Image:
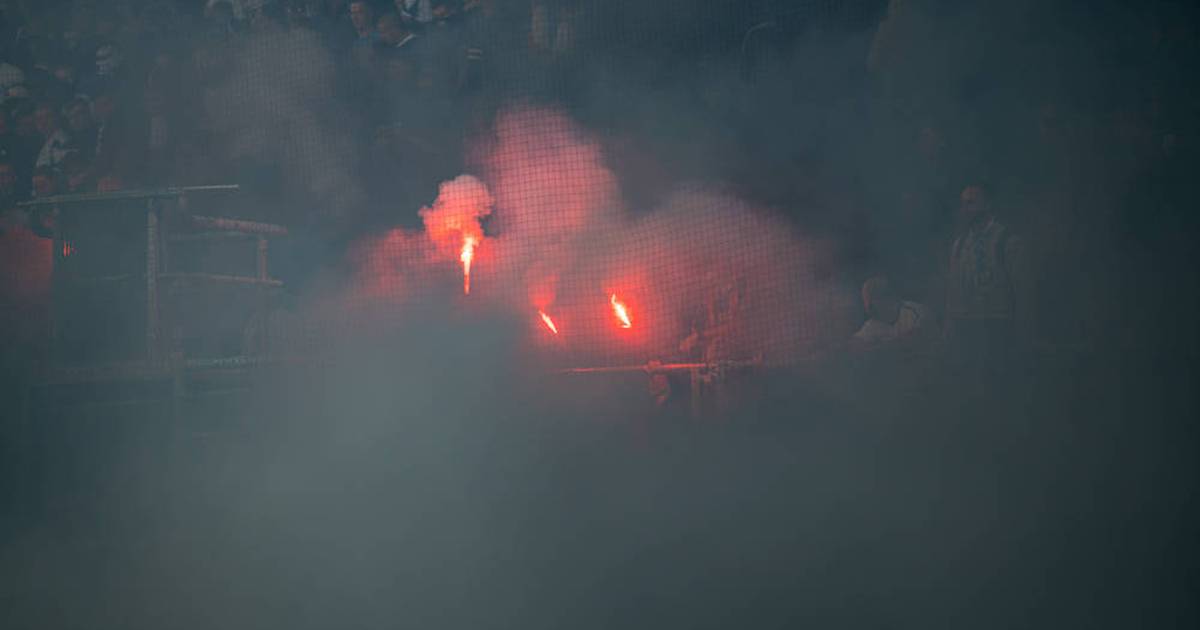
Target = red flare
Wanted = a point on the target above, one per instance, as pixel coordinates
(548, 322)
(620, 311)
(468, 254)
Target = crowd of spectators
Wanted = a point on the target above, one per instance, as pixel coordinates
(116, 94)
(100, 96)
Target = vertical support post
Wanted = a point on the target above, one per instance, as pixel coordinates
(165, 219)
(171, 327)
(262, 258)
(264, 314)
(151, 281)
(178, 389)
(56, 281)
(25, 458)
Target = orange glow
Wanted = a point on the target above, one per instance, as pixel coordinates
(67, 248)
(620, 311)
(548, 322)
(467, 255)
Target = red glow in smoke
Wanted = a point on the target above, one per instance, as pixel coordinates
(452, 223)
(559, 237)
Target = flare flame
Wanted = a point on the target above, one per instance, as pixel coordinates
(467, 255)
(620, 311)
(548, 322)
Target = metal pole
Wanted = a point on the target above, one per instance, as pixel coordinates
(151, 281)
(160, 193)
(56, 280)
(264, 317)
(654, 368)
(262, 258)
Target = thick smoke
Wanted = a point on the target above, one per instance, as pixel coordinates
(555, 196)
(455, 216)
(277, 108)
(434, 478)
(561, 242)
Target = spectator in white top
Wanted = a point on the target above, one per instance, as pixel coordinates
(890, 319)
(420, 11)
(10, 76)
(57, 141)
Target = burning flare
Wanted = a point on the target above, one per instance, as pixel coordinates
(468, 254)
(548, 322)
(619, 310)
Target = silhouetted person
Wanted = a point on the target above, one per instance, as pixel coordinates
(362, 18)
(986, 284)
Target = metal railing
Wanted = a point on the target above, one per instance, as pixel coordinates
(167, 221)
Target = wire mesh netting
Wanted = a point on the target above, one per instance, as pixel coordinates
(516, 151)
(726, 170)
(597, 313)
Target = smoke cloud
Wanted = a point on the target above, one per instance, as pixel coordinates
(277, 107)
(561, 241)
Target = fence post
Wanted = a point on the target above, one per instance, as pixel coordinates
(151, 281)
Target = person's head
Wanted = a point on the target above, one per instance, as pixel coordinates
(879, 301)
(297, 13)
(266, 15)
(108, 59)
(22, 115)
(64, 73)
(974, 205)
(16, 92)
(78, 114)
(445, 9)
(392, 29)
(487, 7)
(362, 16)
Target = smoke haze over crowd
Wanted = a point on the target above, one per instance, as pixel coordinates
(489, 225)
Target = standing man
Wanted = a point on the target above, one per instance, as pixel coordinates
(987, 305)
(711, 337)
(362, 18)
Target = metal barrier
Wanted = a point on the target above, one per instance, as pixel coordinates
(168, 224)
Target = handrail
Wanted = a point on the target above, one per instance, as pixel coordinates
(238, 225)
(118, 195)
